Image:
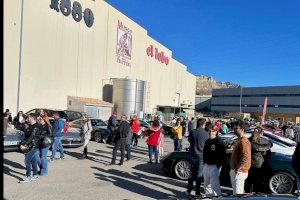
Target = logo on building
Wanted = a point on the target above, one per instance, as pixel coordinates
(124, 44)
(151, 51)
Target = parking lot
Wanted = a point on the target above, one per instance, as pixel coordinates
(74, 178)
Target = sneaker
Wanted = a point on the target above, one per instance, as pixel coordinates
(150, 162)
(110, 164)
(27, 179)
(62, 158)
(120, 164)
(35, 177)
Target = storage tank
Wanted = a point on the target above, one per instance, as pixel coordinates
(128, 96)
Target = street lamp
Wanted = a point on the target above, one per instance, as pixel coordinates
(241, 94)
(20, 57)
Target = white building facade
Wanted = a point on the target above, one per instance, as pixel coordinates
(53, 49)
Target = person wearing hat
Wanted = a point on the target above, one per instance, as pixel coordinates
(259, 147)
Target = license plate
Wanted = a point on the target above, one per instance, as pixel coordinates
(7, 143)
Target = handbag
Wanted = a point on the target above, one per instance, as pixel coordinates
(24, 148)
(46, 141)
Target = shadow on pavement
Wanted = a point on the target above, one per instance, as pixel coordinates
(127, 181)
(8, 171)
(13, 164)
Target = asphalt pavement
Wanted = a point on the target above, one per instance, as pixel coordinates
(74, 178)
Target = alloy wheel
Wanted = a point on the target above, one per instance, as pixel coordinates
(97, 136)
(281, 183)
(182, 169)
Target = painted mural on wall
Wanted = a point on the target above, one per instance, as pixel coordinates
(124, 44)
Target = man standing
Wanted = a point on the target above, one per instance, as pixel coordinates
(122, 134)
(57, 136)
(31, 149)
(214, 157)
(112, 122)
(197, 138)
(296, 166)
(240, 159)
(192, 124)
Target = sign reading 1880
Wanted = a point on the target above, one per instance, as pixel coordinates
(76, 10)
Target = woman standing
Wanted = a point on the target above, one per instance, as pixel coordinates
(177, 131)
(135, 127)
(152, 141)
(87, 130)
(19, 121)
(46, 132)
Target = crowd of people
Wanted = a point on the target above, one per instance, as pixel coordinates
(207, 150)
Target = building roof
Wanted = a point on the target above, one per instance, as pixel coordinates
(92, 101)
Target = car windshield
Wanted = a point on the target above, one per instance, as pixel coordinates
(98, 122)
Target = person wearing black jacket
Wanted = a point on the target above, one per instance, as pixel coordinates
(197, 138)
(120, 139)
(31, 148)
(214, 157)
(259, 147)
(46, 132)
(112, 122)
(296, 166)
(19, 121)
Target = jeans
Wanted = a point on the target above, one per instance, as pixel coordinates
(44, 162)
(128, 150)
(31, 159)
(211, 180)
(253, 181)
(57, 143)
(238, 181)
(153, 149)
(119, 144)
(177, 144)
(196, 173)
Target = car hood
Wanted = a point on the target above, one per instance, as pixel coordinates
(72, 132)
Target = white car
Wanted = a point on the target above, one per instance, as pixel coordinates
(280, 144)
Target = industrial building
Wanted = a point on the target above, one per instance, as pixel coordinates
(88, 49)
(283, 101)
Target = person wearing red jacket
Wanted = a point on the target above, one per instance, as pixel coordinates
(135, 127)
(152, 141)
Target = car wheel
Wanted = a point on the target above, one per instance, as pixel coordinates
(182, 169)
(281, 183)
(97, 136)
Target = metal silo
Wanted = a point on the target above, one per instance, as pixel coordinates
(128, 96)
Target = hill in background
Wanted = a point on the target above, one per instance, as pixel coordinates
(205, 84)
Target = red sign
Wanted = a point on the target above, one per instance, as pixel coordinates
(151, 51)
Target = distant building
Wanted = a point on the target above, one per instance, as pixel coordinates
(203, 102)
(283, 101)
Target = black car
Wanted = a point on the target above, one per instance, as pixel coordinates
(167, 129)
(12, 139)
(100, 131)
(279, 176)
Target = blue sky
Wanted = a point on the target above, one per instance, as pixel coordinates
(250, 42)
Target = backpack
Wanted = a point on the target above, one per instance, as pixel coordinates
(66, 128)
